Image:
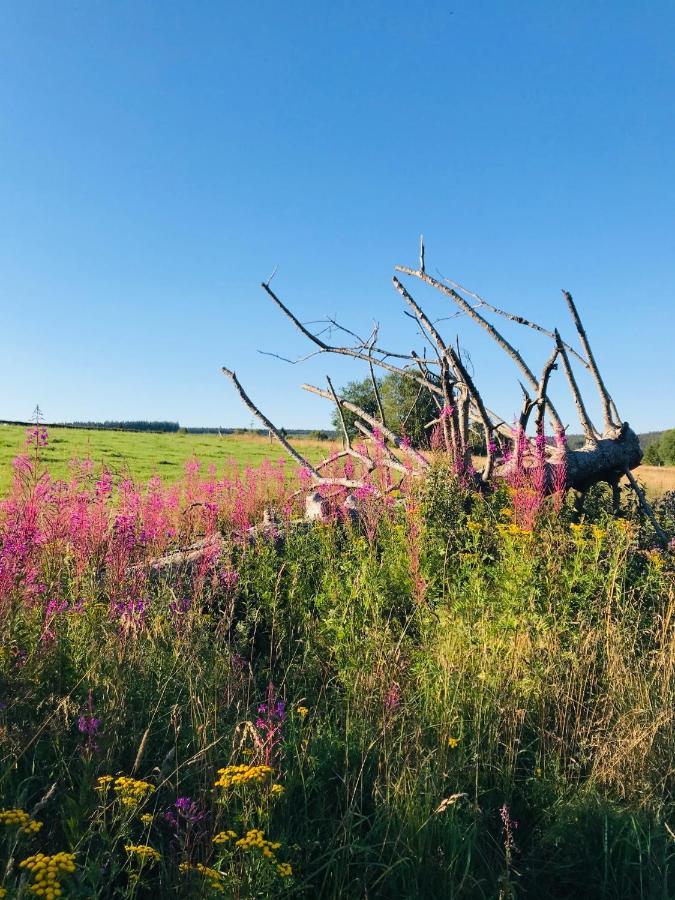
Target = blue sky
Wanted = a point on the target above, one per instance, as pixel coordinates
(158, 160)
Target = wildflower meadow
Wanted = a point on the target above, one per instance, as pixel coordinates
(443, 694)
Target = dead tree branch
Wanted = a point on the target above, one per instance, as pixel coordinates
(513, 317)
(607, 402)
(269, 425)
(362, 414)
(586, 424)
(348, 440)
(487, 326)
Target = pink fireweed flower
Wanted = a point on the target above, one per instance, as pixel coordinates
(192, 466)
(364, 491)
(229, 579)
(305, 478)
(437, 440)
(184, 813)
(393, 696)
(509, 825)
(130, 614)
(22, 465)
(378, 437)
(270, 721)
(53, 609)
(36, 436)
(88, 724)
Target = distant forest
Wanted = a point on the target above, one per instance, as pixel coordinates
(176, 427)
(576, 441)
(173, 427)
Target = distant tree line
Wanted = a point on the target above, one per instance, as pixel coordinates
(175, 428)
(661, 452)
(138, 425)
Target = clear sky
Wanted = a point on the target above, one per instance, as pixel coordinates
(159, 159)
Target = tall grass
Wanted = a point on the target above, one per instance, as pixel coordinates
(428, 701)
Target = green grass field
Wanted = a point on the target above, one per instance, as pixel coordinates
(143, 454)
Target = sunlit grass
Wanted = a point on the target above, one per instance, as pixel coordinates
(142, 454)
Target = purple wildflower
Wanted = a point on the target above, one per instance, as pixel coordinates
(89, 724)
(393, 696)
(271, 716)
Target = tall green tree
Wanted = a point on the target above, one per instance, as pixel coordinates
(667, 447)
(408, 406)
(662, 451)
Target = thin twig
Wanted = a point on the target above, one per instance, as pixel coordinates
(584, 418)
(266, 422)
(348, 440)
(491, 330)
(512, 317)
(362, 414)
(607, 402)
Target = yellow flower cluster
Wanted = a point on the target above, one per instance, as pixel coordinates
(581, 532)
(302, 711)
(46, 870)
(277, 789)
(224, 836)
(234, 775)
(21, 819)
(146, 819)
(215, 878)
(514, 530)
(255, 840)
(655, 558)
(285, 870)
(130, 792)
(13, 817)
(453, 742)
(143, 851)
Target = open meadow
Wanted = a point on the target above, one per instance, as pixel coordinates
(140, 455)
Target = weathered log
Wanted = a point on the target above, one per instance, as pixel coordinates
(606, 460)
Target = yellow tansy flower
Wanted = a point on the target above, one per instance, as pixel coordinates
(143, 852)
(231, 776)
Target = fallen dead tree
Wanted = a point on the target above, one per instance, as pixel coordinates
(608, 455)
